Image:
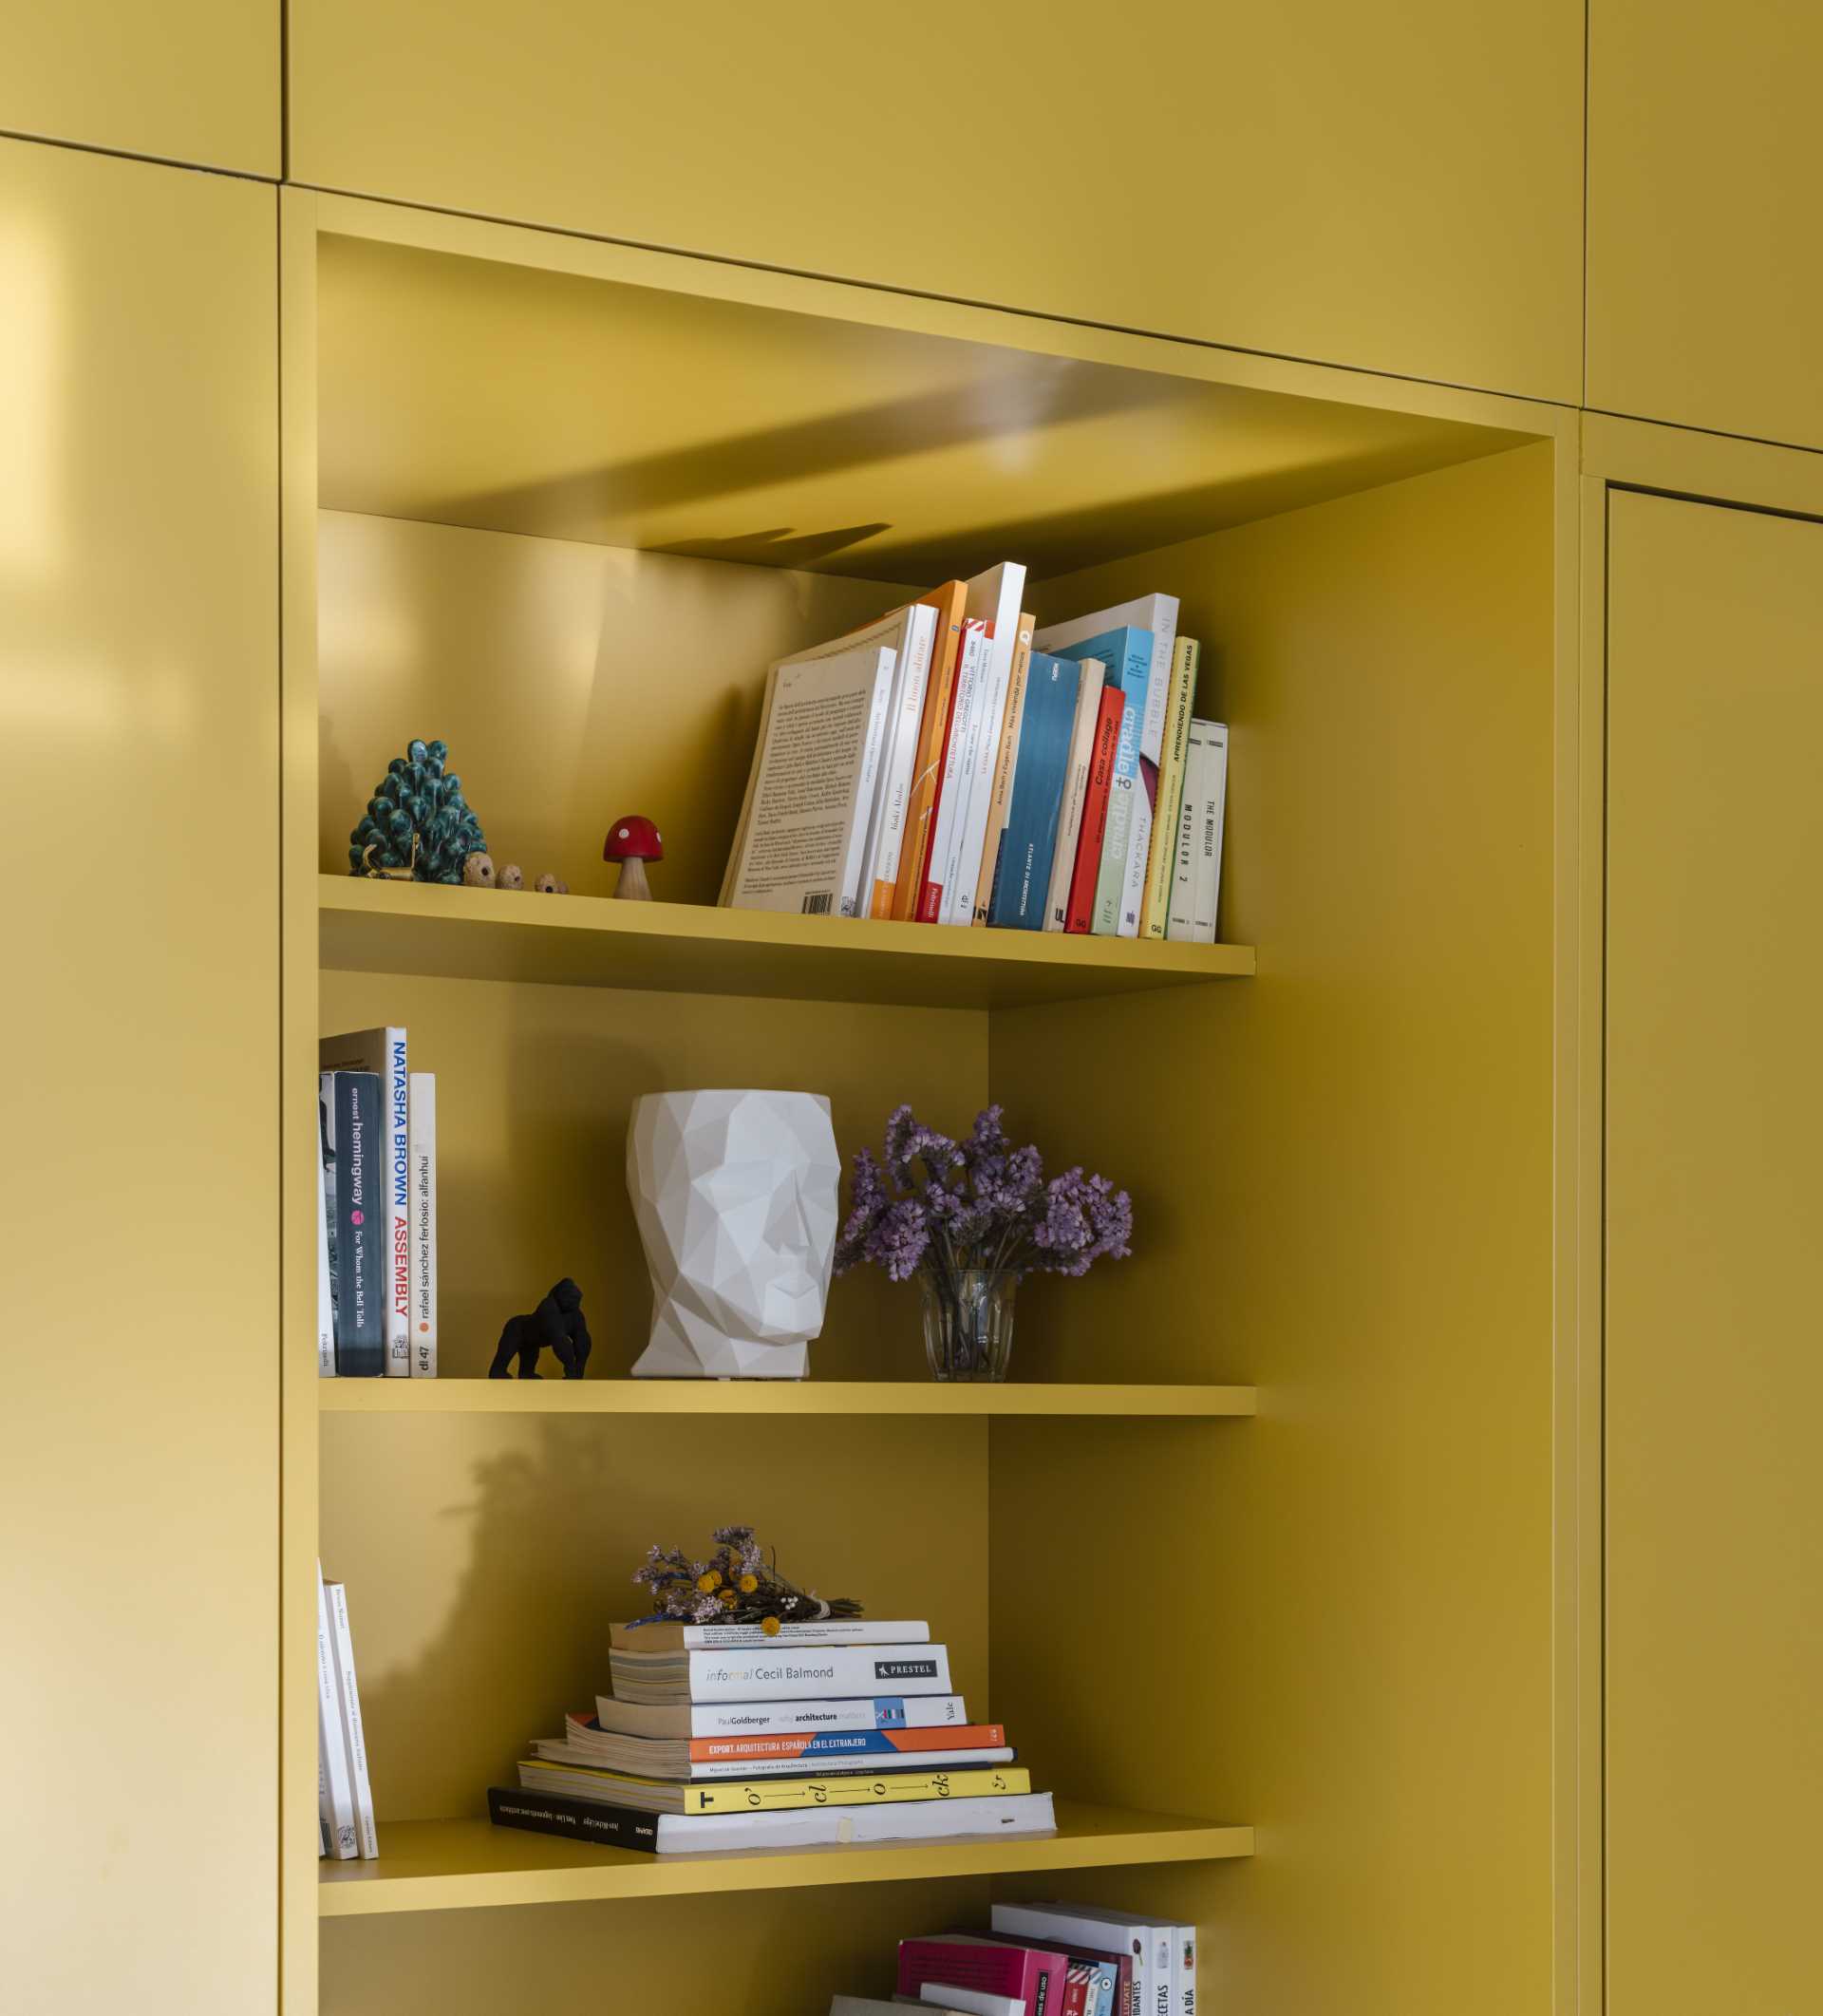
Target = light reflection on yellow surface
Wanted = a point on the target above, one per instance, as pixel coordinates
(33, 510)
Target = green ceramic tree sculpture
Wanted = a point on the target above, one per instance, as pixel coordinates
(416, 820)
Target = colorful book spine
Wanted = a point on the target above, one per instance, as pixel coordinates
(946, 651)
(354, 1146)
(1075, 791)
(1127, 654)
(1000, 782)
(1090, 841)
(1168, 806)
(787, 1795)
(423, 1225)
(1084, 1932)
(1029, 1974)
(994, 597)
(349, 1700)
(965, 702)
(1040, 777)
(858, 1744)
(383, 1052)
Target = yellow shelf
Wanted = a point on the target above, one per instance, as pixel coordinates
(781, 1397)
(465, 1865)
(373, 927)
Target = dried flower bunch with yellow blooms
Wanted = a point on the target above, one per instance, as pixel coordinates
(738, 1584)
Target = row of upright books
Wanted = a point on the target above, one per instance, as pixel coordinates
(725, 1736)
(376, 1210)
(1046, 1960)
(344, 1790)
(950, 764)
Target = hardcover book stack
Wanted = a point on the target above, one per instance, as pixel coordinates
(952, 764)
(725, 1735)
(376, 1210)
(1047, 1960)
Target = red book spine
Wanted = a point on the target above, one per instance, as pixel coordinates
(1076, 1992)
(1095, 811)
(999, 1969)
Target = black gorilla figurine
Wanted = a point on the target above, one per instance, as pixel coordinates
(556, 1321)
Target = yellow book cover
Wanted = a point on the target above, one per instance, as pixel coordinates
(1161, 861)
(773, 1795)
(1002, 800)
(947, 602)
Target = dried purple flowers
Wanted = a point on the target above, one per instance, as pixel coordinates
(980, 1203)
(736, 1585)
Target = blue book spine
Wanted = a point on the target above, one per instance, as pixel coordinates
(358, 1147)
(1041, 769)
(1127, 655)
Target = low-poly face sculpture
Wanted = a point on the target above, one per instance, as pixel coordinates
(736, 1196)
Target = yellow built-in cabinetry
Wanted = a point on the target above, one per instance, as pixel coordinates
(1331, 1611)
(194, 80)
(1705, 293)
(139, 752)
(1713, 1380)
(1398, 189)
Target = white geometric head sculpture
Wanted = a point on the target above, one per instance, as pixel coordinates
(736, 1196)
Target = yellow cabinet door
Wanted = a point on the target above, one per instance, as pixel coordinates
(1714, 1220)
(181, 80)
(138, 1209)
(1705, 289)
(1396, 188)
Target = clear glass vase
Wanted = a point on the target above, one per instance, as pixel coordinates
(969, 1321)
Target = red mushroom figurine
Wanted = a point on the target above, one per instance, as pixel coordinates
(632, 841)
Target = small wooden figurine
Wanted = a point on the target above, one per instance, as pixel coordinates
(632, 841)
(477, 871)
(511, 877)
(548, 885)
(558, 1323)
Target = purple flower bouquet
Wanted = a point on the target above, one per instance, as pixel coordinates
(972, 1218)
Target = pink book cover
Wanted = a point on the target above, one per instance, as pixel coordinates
(1036, 1976)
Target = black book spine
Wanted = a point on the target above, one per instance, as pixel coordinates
(573, 1819)
(361, 1227)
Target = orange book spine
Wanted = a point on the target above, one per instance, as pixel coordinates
(1095, 811)
(932, 734)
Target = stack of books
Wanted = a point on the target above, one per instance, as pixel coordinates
(376, 1210)
(951, 764)
(1047, 1960)
(724, 1736)
(344, 1791)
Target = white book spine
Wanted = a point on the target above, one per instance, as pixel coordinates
(892, 1821)
(1076, 792)
(959, 899)
(324, 1291)
(1211, 810)
(423, 1225)
(911, 683)
(1180, 919)
(865, 813)
(1183, 1964)
(783, 1718)
(348, 1703)
(964, 711)
(717, 1637)
(832, 1670)
(335, 1795)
